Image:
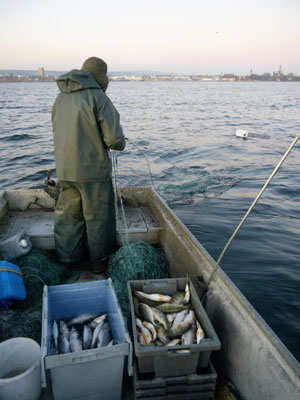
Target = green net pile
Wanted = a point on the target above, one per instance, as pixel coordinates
(24, 318)
(135, 261)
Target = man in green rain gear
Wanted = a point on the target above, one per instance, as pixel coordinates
(86, 126)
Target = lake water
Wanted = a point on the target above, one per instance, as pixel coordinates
(209, 177)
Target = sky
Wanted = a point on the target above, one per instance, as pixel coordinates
(184, 37)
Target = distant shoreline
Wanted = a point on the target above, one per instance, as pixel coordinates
(169, 80)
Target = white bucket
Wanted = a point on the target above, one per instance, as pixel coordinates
(20, 369)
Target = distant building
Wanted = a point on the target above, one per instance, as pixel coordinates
(41, 73)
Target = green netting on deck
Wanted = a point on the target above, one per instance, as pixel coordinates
(39, 268)
(135, 261)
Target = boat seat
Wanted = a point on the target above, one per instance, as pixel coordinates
(39, 225)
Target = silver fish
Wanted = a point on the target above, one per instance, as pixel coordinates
(138, 323)
(160, 317)
(142, 338)
(187, 293)
(177, 298)
(170, 318)
(151, 328)
(157, 297)
(55, 336)
(180, 317)
(145, 333)
(190, 315)
(179, 329)
(96, 333)
(199, 333)
(189, 336)
(75, 341)
(111, 343)
(63, 329)
(171, 308)
(146, 312)
(173, 342)
(87, 337)
(162, 334)
(104, 337)
(82, 319)
(97, 321)
(64, 345)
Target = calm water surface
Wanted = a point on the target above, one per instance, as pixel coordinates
(207, 175)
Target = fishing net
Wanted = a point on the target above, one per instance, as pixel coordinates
(24, 318)
(135, 261)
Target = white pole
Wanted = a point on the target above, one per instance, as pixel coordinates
(251, 207)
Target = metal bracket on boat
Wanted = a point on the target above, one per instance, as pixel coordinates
(48, 181)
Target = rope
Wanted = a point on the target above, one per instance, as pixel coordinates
(116, 194)
(150, 173)
(118, 190)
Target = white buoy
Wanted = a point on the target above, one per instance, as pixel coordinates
(241, 133)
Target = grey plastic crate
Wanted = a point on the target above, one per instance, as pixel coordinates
(162, 360)
(195, 386)
(89, 374)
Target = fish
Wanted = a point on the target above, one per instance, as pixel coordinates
(160, 317)
(146, 312)
(189, 336)
(177, 298)
(170, 318)
(64, 345)
(55, 336)
(161, 298)
(147, 335)
(190, 315)
(104, 337)
(187, 293)
(174, 342)
(199, 332)
(82, 319)
(75, 341)
(158, 343)
(96, 332)
(162, 334)
(63, 329)
(151, 328)
(170, 308)
(87, 337)
(111, 343)
(176, 331)
(180, 316)
(97, 321)
(142, 338)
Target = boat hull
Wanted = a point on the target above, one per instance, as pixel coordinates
(252, 357)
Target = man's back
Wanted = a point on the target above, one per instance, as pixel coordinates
(85, 126)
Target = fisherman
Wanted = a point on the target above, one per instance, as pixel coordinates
(86, 125)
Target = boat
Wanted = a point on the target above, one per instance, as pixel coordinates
(252, 357)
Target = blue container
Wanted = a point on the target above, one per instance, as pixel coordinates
(90, 374)
(11, 284)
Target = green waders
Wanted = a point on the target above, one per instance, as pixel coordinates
(85, 210)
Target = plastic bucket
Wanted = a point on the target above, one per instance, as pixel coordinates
(20, 369)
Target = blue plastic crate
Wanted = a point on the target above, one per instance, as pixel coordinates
(90, 374)
(11, 284)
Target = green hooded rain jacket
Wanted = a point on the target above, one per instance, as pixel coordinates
(85, 126)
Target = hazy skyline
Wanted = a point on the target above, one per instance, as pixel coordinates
(171, 36)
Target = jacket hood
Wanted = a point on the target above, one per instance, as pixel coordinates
(77, 80)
